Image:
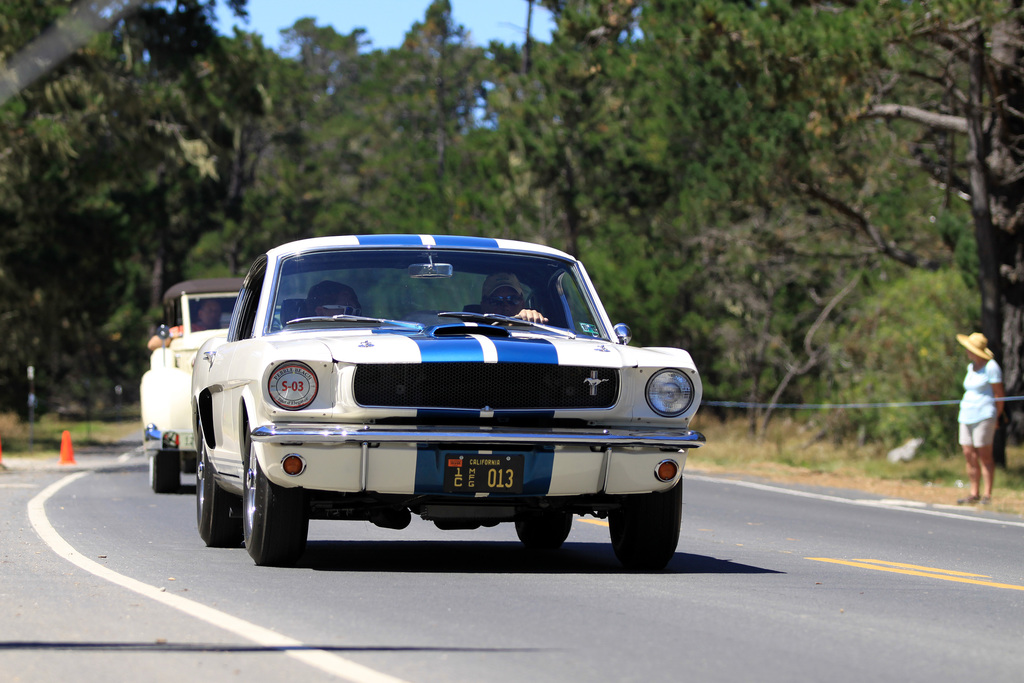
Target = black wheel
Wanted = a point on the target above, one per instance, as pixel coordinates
(645, 530)
(274, 518)
(165, 471)
(544, 532)
(217, 527)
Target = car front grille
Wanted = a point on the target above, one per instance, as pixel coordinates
(498, 386)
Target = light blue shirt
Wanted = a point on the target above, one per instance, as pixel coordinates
(979, 402)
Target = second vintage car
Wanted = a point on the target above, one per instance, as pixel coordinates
(196, 310)
(466, 380)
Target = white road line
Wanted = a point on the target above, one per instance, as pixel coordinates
(888, 504)
(325, 661)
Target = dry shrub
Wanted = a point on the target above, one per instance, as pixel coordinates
(12, 427)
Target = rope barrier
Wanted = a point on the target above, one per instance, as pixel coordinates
(833, 406)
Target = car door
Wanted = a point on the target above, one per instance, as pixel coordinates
(228, 375)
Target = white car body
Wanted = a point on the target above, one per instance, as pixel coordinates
(165, 388)
(407, 407)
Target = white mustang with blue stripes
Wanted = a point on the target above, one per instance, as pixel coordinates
(469, 381)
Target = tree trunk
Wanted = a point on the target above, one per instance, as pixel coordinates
(984, 231)
(528, 40)
(1005, 272)
(981, 208)
(156, 282)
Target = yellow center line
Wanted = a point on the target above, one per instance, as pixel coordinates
(899, 568)
(925, 569)
(599, 522)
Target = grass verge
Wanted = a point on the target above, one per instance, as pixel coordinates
(791, 453)
(43, 439)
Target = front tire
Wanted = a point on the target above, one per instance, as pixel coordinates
(645, 530)
(274, 518)
(165, 471)
(544, 532)
(217, 527)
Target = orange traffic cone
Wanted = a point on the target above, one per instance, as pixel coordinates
(67, 453)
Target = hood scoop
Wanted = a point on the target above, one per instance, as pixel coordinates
(463, 329)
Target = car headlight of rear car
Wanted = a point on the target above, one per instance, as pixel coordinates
(669, 392)
(292, 385)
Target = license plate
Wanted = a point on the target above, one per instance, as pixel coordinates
(483, 473)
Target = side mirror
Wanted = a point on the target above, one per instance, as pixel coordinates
(163, 332)
(623, 334)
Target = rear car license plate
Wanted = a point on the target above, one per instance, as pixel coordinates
(483, 472)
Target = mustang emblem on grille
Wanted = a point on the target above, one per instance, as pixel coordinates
(592, 382)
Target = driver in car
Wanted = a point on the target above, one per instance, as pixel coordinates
(330, 298)
(503, 294)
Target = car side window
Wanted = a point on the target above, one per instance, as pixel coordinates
(581, 320)
(243, 319)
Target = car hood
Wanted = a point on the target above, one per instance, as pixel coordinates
(469, 344)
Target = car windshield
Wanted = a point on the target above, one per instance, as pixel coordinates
(327, 288)
(210, 311)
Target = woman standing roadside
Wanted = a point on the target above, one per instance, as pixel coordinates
(979, 415)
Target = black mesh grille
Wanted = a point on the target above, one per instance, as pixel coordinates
(500, 386)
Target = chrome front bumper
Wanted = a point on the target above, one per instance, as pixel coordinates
(598, 439)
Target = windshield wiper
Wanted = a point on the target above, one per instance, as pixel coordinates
(352, 321)
(505, 321)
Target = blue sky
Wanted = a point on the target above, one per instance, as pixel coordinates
(387, 21)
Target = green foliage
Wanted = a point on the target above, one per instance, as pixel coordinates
(900, 346)
(956, 232)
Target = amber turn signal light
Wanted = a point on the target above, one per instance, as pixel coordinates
(293, 464)
(666, 470)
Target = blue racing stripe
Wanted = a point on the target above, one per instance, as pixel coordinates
(469, 350)
(537, 472)
(463, 241)
(524, 414)
(450, 350)
(526, 351)
(426, 414)
(429, 472)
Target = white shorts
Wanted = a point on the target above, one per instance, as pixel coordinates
(978, 434)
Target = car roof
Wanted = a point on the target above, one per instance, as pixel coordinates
(205, 286)
(413, 241)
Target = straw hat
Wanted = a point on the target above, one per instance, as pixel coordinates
(976, 343)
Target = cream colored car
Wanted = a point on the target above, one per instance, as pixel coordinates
(465, 380)
(195, 311)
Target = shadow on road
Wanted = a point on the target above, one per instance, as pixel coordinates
(475, 557)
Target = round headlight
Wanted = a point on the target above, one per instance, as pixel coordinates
(292, 386)
(669, 392)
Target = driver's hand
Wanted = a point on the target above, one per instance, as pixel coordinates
(532, 316)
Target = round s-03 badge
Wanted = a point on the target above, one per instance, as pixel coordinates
(292, 386)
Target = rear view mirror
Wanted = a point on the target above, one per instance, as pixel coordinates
(430, 270)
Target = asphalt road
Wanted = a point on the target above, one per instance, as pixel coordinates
(100, 579)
